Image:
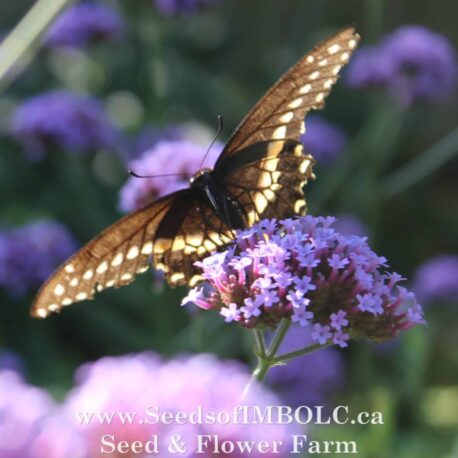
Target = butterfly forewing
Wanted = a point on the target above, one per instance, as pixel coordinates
(112, 259)
(280, 113)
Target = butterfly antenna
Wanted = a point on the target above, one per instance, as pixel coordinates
(220, 128)
(136, 175)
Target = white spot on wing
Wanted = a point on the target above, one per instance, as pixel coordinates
(133, 252)
(81, 296)
(102, 267)
(279, 133)
(344, 57)
(117, 260)
(67, 301)
(333, 49)
(310, 59)
(69, 268)
(147, 248)
(287, 117)
(328, 83)
(352, 44)
(42, 313)
(305, 89)
(336, 69)
(314, 75)
(59, 290)
(88, 274)
(296, 103)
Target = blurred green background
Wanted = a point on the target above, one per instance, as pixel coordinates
(189, 69)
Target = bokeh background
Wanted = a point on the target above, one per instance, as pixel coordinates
(118, 82)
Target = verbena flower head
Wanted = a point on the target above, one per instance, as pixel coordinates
(166, 157)
(323, 140)
(83, 24)
(172, 7)
(29, 426)
(412, 63)
(303, 270)
(133, 383)
(59, 118)
(436, 279)
(30, 253)
(311, 379)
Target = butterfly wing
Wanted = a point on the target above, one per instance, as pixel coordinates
(198, 231)
(112, 259)
(279, 115)
(173, 232)
(267, 178)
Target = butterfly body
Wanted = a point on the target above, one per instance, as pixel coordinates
(226, 208)
(260, 174)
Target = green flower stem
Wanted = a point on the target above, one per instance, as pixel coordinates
(266, 359)
(294, 354)
(24, 35)
(423, 165)
(260, 343)
(278, 339)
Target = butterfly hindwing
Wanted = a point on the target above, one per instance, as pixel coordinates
(112, 259)
(279, 115)
(197, 231)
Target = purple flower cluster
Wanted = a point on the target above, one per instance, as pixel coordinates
(173, 7)
(166, 157)
(63, 119)
(323, 140)
(412, 63)
(30, 253)
(83, 24)
(185, 384)
(436, 279)
(30, 425)
(192, 385)
(311, 379)
(302, 269)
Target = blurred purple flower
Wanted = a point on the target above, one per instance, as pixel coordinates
(30, 253)
(150, 136)
(171, 7)
(63, 119)
(29, 427)
(83, 24)
(436, 279)
(412, 63)
(311, 379)
(166, 157)
(323, 140)
(350, 225)
(304, 270)
(11, 361)
(133, 383)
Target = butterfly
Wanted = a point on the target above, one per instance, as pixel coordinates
(259, 174)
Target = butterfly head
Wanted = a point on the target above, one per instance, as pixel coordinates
(201, 179)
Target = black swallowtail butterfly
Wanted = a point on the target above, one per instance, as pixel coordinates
(260, 174)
